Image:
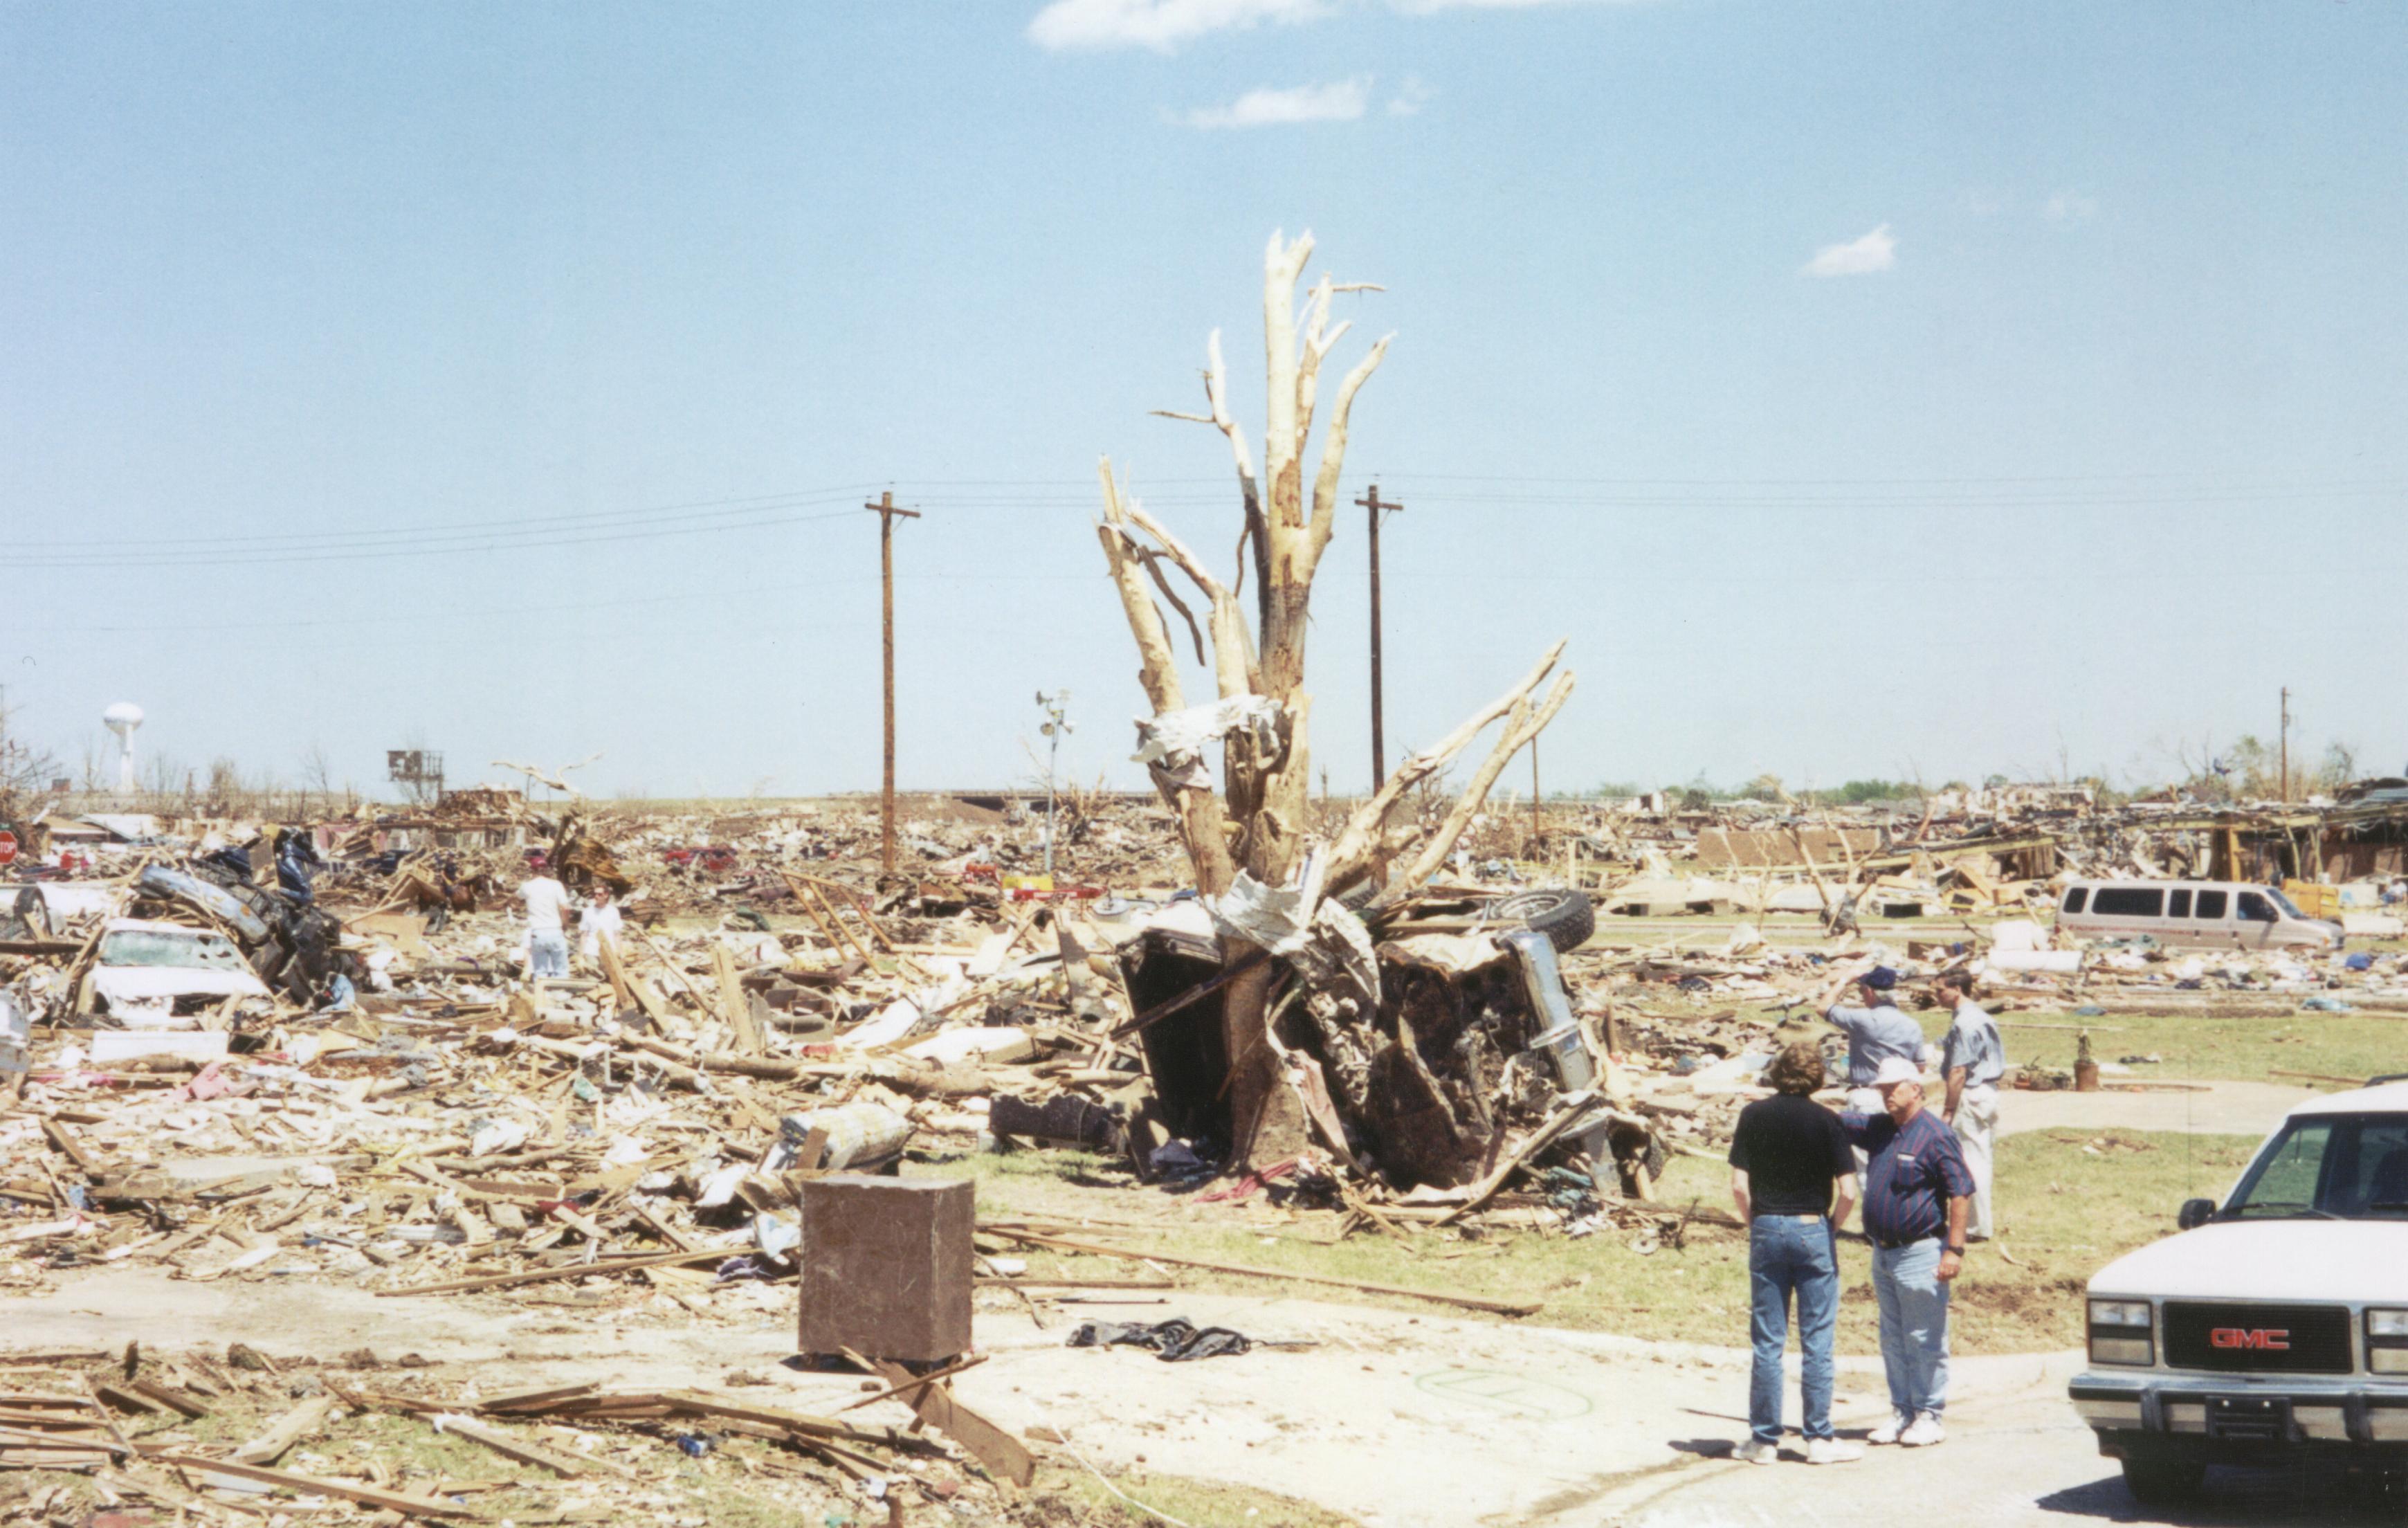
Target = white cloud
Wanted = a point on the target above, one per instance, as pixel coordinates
(1341, 100)
(1411, 97)
(1875, 250)
(2069, 207)
(1164, 25)
(1423, 8)
(1159, 24)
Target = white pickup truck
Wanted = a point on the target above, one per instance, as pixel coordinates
(2274, 1325)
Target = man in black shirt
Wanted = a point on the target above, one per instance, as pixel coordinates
(1792, 1178)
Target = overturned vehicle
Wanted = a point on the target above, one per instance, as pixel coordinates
(1432, 1040)
(154, 969)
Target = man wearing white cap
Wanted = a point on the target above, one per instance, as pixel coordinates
(1916, 1194)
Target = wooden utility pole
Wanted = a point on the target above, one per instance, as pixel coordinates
(2286, 743)
(1379, 745)
(1536, 833)
(886, 510)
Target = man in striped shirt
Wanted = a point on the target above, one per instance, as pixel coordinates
(1916, 1194)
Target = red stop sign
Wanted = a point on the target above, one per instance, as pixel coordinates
(7, 846)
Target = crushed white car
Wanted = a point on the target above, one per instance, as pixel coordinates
(2275, 1325)
(164, 975)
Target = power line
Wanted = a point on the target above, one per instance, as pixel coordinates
(497, 542)
(587, 517)
(775, 510)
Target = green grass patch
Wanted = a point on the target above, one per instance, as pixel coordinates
(2202, 1047)
(2068, 1203)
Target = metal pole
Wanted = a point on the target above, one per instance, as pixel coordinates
(1053, 752)
(887, 511)
(2286, 742)
(1370, 502)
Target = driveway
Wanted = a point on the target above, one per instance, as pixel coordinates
(2207, 1108)
(1400, 1420)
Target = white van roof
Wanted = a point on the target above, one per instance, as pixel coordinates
(2384, 1098)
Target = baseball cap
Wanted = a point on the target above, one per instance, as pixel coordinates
(1896, 1069)
(1880, 978)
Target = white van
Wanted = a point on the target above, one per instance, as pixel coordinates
(2211, 914)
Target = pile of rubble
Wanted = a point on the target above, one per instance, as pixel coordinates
(271, 1061)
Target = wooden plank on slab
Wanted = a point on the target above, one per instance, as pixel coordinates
(313, 1485)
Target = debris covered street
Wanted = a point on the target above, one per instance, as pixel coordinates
(1201, 764)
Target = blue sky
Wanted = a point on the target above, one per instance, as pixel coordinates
(1864, 388)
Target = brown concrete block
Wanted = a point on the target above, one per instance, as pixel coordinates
(886, 1266)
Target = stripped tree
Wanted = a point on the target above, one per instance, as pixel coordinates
(1253, 826)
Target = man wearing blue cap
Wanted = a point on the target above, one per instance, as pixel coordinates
(1875, 1028)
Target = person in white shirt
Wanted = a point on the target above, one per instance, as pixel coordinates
(1971, 1061)
(597, 921)
(547, 942)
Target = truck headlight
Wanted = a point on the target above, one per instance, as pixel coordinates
(2120, 1333)
(2387, 1341)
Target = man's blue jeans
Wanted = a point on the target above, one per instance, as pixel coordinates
(1791, 1255)
(1913, 1304)
(547, 955)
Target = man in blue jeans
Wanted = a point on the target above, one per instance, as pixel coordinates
(1916, 1193)
(1792, 1178)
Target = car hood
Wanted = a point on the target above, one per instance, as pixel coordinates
(140, 985)
(2319, 1260)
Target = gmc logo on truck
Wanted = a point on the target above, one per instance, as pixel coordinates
(2277, 1341)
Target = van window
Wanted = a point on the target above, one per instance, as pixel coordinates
(2211, 905)
(2256, 909)
(2129, 902)
(2075, 898)
(2178, 904)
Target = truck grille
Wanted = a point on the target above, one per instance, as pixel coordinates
(2258, 1339)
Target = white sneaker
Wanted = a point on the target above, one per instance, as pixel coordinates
(1925, 1430)
(1756, 1451)
(1888, 1432)
(1832, 1452)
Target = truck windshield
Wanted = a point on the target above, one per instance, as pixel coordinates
(2340, 1166)
(2290, 909)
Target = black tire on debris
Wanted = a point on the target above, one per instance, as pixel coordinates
(2158, 1478)
(1567, 917)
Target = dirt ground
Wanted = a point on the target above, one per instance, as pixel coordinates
(1392, 1418)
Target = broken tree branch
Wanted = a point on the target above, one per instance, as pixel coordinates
(1523, 725)
(1358, 843)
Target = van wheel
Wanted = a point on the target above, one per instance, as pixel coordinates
(2163, 1478)
(1567, 917)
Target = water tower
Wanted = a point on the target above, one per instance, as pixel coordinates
(121, 719)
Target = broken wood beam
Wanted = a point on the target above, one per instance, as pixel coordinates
(572, 1270)
(313, 1485)
(1469, 1302)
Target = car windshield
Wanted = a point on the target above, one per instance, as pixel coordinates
(195, 951)
(2346, 1166)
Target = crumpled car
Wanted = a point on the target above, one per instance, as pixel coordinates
(163, 975)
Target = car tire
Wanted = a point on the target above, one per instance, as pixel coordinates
(2157, 1479)
(1567, 917)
